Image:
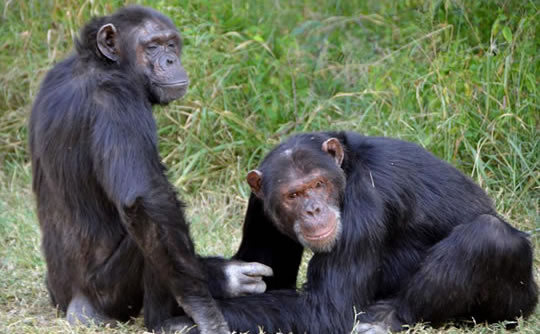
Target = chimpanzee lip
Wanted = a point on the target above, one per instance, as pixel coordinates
(173, 84)
(328, 231)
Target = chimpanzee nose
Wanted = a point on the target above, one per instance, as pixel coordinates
(313, 209)
(314, 212)
(168, 61)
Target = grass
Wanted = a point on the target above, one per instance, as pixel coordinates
(458, 77)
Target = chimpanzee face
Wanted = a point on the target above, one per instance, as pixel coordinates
(153, 49)
(309, 209)
(304, 197)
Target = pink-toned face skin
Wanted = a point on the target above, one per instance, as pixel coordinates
(312, 211)
(308, 208)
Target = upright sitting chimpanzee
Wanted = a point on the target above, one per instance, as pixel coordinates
(397, 234)
(114, 233)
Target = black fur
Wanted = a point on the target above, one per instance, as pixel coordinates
(114, 232)
(420, 242)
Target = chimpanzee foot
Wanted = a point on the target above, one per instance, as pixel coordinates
(246, 278)
(182, 324)
(204, 313)
(367, 328)
(81, 312)
(384, 314)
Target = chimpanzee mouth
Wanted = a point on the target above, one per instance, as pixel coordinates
(177, 84)
(165, 92)
(322, 235)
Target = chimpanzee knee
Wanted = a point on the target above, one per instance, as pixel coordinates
(505, 286)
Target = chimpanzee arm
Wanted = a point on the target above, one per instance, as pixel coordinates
(274, 311)
(127, 164)
(326, 306)
(365, 226)
(262, 242)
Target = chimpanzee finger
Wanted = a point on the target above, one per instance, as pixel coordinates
(256, 269)
(253, 288)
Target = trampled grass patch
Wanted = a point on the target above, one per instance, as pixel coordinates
(458, 77)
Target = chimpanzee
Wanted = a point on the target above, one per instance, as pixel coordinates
(398, 236)
(114, 233)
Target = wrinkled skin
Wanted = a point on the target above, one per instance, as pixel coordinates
(157, 47)
(307, 200)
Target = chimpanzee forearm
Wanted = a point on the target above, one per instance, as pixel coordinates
(288, 311)
(262, 242)
(278, 310)
(214, 269)
(156, 223)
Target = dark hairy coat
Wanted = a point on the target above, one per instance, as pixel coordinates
(420, 241)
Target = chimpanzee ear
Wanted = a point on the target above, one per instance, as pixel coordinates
(254, 178)
(106, 41)
(333, 147)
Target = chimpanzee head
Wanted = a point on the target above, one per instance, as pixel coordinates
(144, 43)
(301, 184)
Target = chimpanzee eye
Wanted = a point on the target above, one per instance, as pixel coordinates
(151, 47)
(171, 45)
(319, 184)
(293, 195)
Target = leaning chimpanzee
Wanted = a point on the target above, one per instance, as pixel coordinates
(114, 233)
(396, 232)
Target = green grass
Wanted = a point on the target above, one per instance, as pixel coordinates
(460, 78)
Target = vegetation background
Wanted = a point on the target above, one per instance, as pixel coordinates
(458, 77)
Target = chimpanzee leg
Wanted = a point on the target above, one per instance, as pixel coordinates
(112, 290)
(483, 269)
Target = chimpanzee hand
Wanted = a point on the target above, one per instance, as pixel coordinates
(245, 278)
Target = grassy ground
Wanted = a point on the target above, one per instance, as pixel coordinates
(458, 77)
